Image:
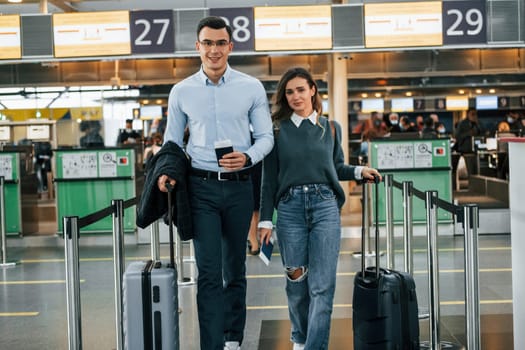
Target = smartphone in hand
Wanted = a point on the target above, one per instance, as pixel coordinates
(221, 148)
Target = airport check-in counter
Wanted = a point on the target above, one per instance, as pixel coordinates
(10, 170)
(425, 162)
(87, 180)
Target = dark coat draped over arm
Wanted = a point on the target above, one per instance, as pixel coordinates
(171, 160)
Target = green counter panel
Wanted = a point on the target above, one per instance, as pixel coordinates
(10, 167)
(424, 162)
(87, 180)
(81, 198)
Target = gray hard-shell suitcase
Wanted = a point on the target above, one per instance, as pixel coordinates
(150, 298)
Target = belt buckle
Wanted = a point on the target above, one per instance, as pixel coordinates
(219, 178)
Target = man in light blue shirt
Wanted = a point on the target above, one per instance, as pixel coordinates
(217, 105)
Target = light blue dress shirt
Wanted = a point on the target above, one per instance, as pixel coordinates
(216, 112)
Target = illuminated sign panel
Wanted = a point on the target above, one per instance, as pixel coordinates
(456, 103)
(403, 24)
(10, 37)
(402, 104)
(91, 34)
(487, 102)
(372, 105)
(293, 28)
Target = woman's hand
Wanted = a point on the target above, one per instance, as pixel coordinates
(264, 235)
(370, 173)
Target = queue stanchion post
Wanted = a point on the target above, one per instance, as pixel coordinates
(72, 262)
(408, 229)
(434, 342)
(118, 267)
(472, 313)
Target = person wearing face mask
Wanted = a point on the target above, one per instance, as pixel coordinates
(308, 204)
(513, 119)
(440, 129)
(394, 122)
(128, 135)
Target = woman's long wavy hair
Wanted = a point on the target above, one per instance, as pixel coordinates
(281, 110)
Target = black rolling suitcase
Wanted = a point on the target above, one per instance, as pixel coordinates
(150, 299)
(385, 311)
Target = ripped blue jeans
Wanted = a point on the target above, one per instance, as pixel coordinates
(309, 236)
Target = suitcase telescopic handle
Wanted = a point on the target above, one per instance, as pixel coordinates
(364, 219)
(376, 219)
(170, 222)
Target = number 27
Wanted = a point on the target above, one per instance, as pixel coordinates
(165, 22)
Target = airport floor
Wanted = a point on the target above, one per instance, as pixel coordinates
(33, 299)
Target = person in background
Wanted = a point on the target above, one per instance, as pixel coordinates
(429, 129)
(128, 135)
(405, 125)
(301, 180)
(394, 122)
(419, 123)
(435, 118)
(219, 103)
(156, 144)
(465, 129)
(92, 137)
(513, 120)
(441, 131)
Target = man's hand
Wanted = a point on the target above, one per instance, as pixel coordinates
(161, 182)
(233, 161)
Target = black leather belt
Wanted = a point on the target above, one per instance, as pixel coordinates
(242, 175)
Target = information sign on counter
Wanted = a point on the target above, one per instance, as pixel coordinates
(91, 34)
(10, 37)
(107, 164)
(79, 165)
(293, 28)
(6, 167)
(403, 24)
(409, 155)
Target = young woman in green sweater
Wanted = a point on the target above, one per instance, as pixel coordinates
(301, 180)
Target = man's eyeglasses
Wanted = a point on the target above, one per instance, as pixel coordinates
(210, 43)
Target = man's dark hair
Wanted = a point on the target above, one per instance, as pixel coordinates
(214, 22)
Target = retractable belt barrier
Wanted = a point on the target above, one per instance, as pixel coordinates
(72, 226)
(469, 216)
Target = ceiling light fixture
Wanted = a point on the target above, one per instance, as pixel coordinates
(15, 1)
(492, 91)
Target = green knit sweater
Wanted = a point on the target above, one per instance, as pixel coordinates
(303, 155)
